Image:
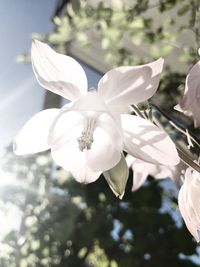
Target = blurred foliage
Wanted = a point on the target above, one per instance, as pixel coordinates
(118, 26)
(63, 223)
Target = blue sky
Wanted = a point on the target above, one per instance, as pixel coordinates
(20, 95)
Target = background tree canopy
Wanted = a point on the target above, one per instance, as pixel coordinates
(59, 222)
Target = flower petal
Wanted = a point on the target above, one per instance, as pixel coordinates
(72, 159)
(189, 204)
(139, 169)
(182, 207)
(124, 86)
(65, 126)
(85, 165)
(103, 155)
(140, 175)
(192, 184)
(144, 140)
(58, 73)
(33, 137)
(78, 112)
(64, 134)
(190, 102)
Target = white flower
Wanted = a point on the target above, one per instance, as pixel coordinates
(190, 103)
(142, 169)
(88, 136)
(189, 202)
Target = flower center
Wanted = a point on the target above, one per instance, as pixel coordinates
(86, 139)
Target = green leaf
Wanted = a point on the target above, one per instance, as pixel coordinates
(117, 177)
(137, 23)
(166, 50)
(155, 51)
(184, 9)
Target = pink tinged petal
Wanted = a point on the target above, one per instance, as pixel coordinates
(195, 109)
(192, 181)
(182, 207)
(33, 137)
(124, 86)
(192, 87)
(189, 204)
(58, 73)
(144, 140)
(190, 102)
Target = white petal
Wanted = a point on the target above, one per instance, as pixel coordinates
(130, 85)
(77, 113)
(191, 99)
(85, 165)
(103, 155)
(66, 130)
(72, 159)
(140, 174)
(189, 204)
(33, 137)
(139, 169)
(58, 73)
(182, 206)
(90, 102)
(192, 187)
(112, 126)
(192, 85)
(65, 126)
(144, 140)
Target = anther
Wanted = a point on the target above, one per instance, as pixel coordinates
(86, 139)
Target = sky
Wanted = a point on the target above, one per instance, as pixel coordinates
(21, 96)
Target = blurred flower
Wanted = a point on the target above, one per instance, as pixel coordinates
(190, 103)
(142, 169)
(88, 135)
(189, 202)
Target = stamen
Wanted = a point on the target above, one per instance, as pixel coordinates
(86, 139)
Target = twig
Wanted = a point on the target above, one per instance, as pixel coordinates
(181, 129)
